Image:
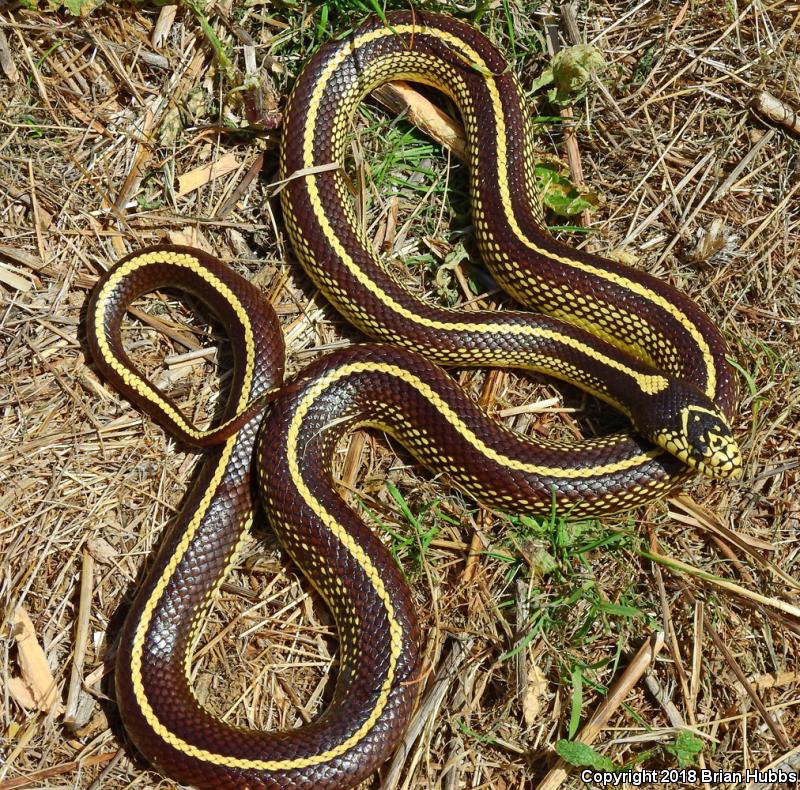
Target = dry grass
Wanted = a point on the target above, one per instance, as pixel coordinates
(102, 133)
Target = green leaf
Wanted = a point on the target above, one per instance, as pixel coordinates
(749, 380)
(686, 748)
(522, 644)
(545, 78)
(74, 7)
(582, 756)
(576, 702)
(543, 562)
(618, 609)
(560, 195)
(644, 66)
(477, 736)
(404, 508)
(322, 25)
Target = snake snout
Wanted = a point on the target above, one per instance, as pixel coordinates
(693, 429)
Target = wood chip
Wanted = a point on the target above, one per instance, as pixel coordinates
(191, 236)
(35, 674)
(102, 551)
(201, 176)
(776, 110)
(21, 257)
(400, 97)
(16, 281)
(163, 25)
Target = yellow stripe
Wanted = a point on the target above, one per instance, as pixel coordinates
(358, 554)
(648, 383)
(313, 193)
(140, 633)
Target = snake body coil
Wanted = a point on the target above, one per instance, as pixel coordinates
(620, 334)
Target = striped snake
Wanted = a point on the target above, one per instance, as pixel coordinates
(620, 334)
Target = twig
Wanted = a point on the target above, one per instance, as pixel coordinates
(81, 641)
(737, 670)
(427, 710)
(775, 603)
(56, 770)
(745, 161)
(401, 98)
(757, 232)
(241, 187)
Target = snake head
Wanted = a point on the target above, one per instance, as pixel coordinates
(687, 424)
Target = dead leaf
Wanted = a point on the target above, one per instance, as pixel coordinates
(190, 236)
(534, 693)
(101, 550)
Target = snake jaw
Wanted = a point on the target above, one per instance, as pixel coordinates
(704, 441)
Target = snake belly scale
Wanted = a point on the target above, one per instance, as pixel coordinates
(622, 335)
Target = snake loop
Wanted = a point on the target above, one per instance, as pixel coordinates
(620, 334)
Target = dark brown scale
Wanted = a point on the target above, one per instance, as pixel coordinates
(184, 600)
(365, 650)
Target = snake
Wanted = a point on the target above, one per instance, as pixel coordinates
(620, 334)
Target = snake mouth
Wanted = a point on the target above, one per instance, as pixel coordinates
(729, 467)
(718, 457)
(700, 436)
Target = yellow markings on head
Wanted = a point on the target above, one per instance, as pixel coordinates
(133, 379)
(694, 412)
(722, 458)
(708, 448)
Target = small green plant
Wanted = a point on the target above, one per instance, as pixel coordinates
(147, 202)
(644, 66)
(559, 194)
(74, 7)
(569, 73)
(685, 750)
(197, 8)
(576, 700)
(580, 755)
(411, 548)
(33, 125)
